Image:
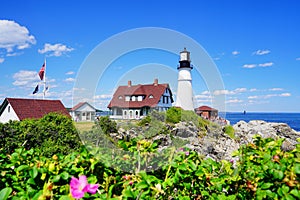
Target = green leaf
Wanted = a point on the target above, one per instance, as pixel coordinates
(141, 185)
(296, 193)
(64, 175)
(278, 174)
(22, 167)
(65, 197)
(33, 172)
(5, 192)
(297, 168)
(37, 195)
(56, 178)
(31, 181)
(266, 185)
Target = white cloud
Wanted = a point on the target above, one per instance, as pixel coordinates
(55, 49)
(69, 79)
(253, 97)
(249, 66)
(253, 90)
(205, 92)
(268, 64)
(25, 78)
(70, 73)
(285, 94)
(261, 52)
(222, 92)
(12, 36)
(230, 92)
(275, 89)
(1, 60)
(298, 58)
(103, 96)
(239, 90)
(234, 101)
(235, 53)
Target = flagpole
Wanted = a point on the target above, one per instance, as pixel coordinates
(44, 92)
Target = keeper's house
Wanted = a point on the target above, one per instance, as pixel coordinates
(20, 109)
(135, 101)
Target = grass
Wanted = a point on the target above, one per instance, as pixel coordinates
(84, 126)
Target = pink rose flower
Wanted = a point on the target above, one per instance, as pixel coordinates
(79, 186)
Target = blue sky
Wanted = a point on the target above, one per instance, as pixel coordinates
(254, 44)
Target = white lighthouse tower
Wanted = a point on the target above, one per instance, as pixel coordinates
(184, 98)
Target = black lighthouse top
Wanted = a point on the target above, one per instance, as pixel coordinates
(185, 61)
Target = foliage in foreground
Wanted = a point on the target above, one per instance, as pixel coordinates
(263, 171)
(54, 133)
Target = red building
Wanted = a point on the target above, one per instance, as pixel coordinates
(207, 112)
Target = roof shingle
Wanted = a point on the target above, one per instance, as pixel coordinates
(36, 108)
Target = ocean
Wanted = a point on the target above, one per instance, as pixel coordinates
(292, 119)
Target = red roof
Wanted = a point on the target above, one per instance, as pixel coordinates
(153, 90)
(34, 108)
(205, 108)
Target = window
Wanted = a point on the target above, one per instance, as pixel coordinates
(140, 98)
(8, 109)
(127, 98)
(150, 96)
(120, 97)
(133, 98)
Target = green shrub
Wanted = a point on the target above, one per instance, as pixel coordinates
(53, 133)
(107, 125)
(144, 121)
(263, 171)
(173, 115)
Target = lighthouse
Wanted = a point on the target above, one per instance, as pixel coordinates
(184, 98)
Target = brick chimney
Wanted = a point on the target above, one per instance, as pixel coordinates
(155, 82)
(129, 83)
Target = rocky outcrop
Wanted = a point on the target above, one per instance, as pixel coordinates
(214, 143)
(246, 131)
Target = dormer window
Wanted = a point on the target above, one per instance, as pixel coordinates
(127, 98)
(133, 98)
(120, 97)
(150, 96)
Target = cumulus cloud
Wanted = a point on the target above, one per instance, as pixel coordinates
(261, 52)
(14, 36)
(230, 92)
(55, 49)
(298, 58)
(267, 64)
(1, 60)
(267, 96)
(26, 78)
(235, 53)
(249, 66)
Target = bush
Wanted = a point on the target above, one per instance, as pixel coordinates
(263, 171)
(53, 133)
(107, 125)
(173, 115)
